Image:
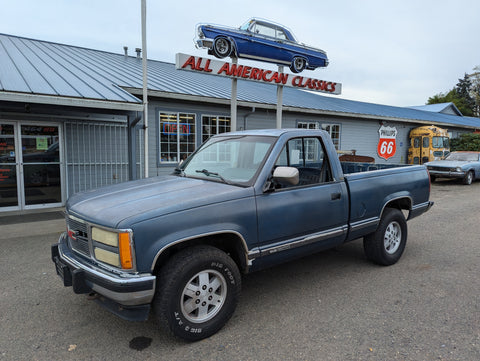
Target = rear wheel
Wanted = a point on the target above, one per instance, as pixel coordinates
(468, 178)
(298, 64)
(197, 292)
(222, 47)
(386, 245)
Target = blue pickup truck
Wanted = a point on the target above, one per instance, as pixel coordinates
(242, 202)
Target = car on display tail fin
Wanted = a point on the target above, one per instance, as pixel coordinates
(260, 40)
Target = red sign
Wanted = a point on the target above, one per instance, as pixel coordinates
(174, 128)
(387, 145)
(215, 67)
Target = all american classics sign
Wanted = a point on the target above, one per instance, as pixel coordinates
(221, 68)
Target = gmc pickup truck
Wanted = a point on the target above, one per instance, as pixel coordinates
(243, 201)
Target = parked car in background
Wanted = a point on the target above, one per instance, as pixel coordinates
(462, 165)
(260, 40)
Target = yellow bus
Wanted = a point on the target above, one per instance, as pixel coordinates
(428, 143)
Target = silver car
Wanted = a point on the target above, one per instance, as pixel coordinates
(462, 165)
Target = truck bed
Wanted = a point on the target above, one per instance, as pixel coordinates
(356, 167)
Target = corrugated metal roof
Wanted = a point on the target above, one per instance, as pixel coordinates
(43, 68)
(445, 108)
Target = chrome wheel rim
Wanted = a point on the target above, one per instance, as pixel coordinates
(299, 63)
(222, 46)
(392, 237)
(203, 296)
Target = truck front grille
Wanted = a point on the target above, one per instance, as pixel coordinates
(79, 230)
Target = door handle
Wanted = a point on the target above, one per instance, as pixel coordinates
(335, 196)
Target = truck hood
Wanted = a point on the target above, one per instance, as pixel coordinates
(122, 205)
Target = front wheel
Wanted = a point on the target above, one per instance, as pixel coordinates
(386, 245)
(197, 292)
(221, 48)
(468, 178)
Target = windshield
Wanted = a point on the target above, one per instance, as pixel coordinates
(232, 160)
(464, 157)
(246, 25)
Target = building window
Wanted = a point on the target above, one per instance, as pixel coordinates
(212, 125)
(177, 136)
(332, 129)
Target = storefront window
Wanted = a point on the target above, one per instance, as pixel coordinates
(212, 125)
(177, 136)
(332, 129)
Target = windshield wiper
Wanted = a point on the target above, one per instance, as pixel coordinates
(208, 174)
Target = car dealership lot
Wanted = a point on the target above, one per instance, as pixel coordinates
(330, 306)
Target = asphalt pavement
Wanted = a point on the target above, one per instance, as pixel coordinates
(329, 306)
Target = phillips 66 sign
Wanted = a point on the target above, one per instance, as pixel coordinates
(387, 145)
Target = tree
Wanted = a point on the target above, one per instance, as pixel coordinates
(465, 95)
(466, 141)
(475, 89)
(465, 105)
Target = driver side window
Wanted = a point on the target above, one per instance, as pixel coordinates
(309, 157)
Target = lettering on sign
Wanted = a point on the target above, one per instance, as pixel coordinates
(174, 128)
(221, 68)
(387, 145)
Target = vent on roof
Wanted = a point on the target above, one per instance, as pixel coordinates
(139, 51)
(125, 49)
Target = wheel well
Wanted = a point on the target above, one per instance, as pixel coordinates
(400, 204)
(230, 243)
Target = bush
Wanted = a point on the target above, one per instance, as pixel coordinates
(467, 141)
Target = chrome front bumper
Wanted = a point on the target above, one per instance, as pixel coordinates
(446, 174)
(204, 43)
(123, 288)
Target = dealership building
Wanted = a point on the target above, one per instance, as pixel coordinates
(71, 119)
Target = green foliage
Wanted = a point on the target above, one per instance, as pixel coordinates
(465, 95)
(467, 141)
(465, 105)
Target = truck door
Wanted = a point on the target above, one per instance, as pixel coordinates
(312, 212)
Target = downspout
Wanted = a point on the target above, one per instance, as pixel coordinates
(132, 146)
(245, 118)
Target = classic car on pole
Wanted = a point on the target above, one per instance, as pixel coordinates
(463, 165)
(260, 40)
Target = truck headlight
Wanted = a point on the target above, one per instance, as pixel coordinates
(459, 169)
(114, 248)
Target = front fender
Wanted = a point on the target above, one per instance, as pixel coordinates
(236, 217)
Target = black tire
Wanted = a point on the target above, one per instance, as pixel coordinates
(203, 276)
(468, 178)
(222, 47)
(433, 178)
(386, 245)
(298, 64)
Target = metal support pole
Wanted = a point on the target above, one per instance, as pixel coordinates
(279, 100)
(233, 101)
(145, 93)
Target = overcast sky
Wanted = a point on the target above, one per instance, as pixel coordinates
(388, 52)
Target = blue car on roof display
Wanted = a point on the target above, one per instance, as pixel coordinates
(463, 165)
(260, 40)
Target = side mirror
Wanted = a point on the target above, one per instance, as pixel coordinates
(287, 175)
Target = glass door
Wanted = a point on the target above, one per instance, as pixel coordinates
(41, 165)
(9, 191)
